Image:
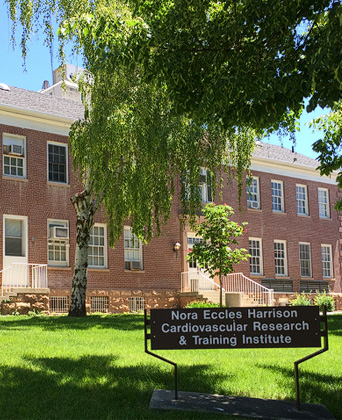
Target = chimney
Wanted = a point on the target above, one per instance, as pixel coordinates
(292, 149)
(45, 84)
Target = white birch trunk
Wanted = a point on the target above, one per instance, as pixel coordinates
(85, 208)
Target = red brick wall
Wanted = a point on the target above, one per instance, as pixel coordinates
(40, 200)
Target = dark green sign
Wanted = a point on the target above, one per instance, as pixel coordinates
(255, 327)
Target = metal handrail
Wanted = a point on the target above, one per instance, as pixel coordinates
(24, 275)
(238, 282)
(185, 286)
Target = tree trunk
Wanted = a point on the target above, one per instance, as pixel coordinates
(85, 208)
(220, 289)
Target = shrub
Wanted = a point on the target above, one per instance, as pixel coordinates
(322, 299)
(301, 300)
(201, 304)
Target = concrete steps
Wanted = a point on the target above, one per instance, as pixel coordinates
(214, 296)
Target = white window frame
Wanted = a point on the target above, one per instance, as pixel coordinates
(136, 304)
(99, 304)
(253, 194)
(53, 143)
(327, 265)
(24, 242)
(98, 246)
(7, 140)
(302, 202)
(62, 243)
(323, 204)
(135, 252)
(301, 260)
(280, 258)
(59, 304)
(277, 201)
(256, 260)
(206, 188)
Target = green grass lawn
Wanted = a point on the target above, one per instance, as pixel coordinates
(96, 368)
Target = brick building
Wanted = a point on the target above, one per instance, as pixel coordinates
(294, 233)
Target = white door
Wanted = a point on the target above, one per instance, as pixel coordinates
(198, 278)
(15, 251)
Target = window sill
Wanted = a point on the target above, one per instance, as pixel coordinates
(14, 178)
(282, 277)
(254, 210)
(57, 184)
(259, 276)
(56, 268)
(98, 269)
(327, 219)
(307, 278)
(135, 271)
(304, 215)
(279, 212)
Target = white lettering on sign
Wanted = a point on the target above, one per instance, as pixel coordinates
(287, 326)
(226, 314)
(273, 313)
(176, 315)
(266, 339)
(190, 328)
(205, 341)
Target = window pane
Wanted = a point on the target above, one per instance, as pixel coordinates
(57, 163)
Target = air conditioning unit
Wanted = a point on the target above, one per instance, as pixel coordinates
(132, 265)
(254, 204)
(13, 149)
(59, 232)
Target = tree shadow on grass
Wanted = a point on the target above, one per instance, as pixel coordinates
(315, 388)
(123, 322)
(94, 387)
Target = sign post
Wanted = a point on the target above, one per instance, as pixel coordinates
(232, 328)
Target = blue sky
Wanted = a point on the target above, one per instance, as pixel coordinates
(39, 68)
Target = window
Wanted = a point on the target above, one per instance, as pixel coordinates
(15, 237)
(133, 250)
(305, 260)
(302, 200)
(280, 260)
(14, 159)
(205, 186)
(255, 260)
(97, 252)
(327, 261)
(253, 196)
(59, 304)
(136, 304)
(99, 304)
(57, 163)
(277, 196)
(58, 243)
(204, 189)
(323, 203)
(192, 240)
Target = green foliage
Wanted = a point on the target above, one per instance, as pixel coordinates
(201, 304)
(329, 147)
(245, 64)
(301, 300)
(219, 233)
(321, 299)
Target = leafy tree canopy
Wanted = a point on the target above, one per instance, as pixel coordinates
(329, 147)
(245, 63)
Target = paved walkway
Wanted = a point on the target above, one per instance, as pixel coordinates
(238, 406)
